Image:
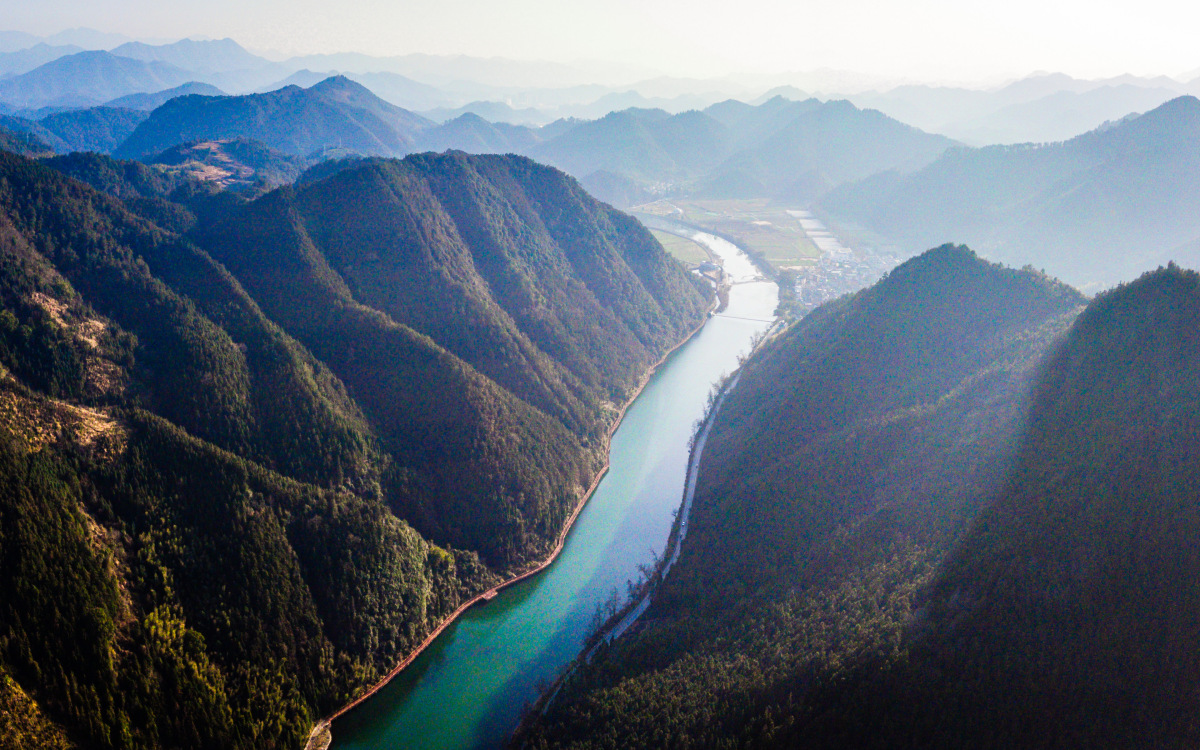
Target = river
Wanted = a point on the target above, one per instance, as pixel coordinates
(468, 689)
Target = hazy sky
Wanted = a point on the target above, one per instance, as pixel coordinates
(930, 39)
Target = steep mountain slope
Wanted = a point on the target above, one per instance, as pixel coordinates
(852, 452)
(155, 580)
(508, 266)
(1068, 614)
(1097, 209)
(199, 541)
(1087, 555)
(88, 78)
(336, 113)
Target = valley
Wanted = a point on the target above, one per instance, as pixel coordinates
(459, 391)
(469, 688)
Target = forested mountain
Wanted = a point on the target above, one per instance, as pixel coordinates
(334, 114)
(237, 164)
(907, 557)
(22, 142)
(510, 284)
(1095, 210)
(99, 129)
(852, 452)
(215, 447)
(1068, 614)
(34, 130)
(88, 78)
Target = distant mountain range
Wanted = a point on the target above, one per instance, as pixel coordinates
(1038, 109)
(148, 102)
(890, 182)
(24, 60)
(89, 78)
(1094, 210)
(334, 114)
(1042, 107)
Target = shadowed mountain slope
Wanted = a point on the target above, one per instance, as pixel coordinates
(1061, 613)
(1097, 209)
(528, 284)
(852, 452)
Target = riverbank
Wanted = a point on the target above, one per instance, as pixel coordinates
(623, 619)
(322, 731)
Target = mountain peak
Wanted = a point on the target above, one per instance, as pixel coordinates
(342, 89)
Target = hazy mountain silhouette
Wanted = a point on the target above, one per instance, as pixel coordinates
(336, 113)
(25, 60)
(1094, 210)
(88, 78)
(209, 56)
(797, 151)
(148, 102)
(475, 135)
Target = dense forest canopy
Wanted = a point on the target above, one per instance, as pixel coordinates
(986, 542)
(253, 451)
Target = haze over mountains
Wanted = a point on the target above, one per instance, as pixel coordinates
(299, 356)
(1043, 107)
(1094, 210)
(892, 184)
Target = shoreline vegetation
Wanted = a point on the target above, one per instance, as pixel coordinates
(321, 736)
(605, 632)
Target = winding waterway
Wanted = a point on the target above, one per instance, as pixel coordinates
(468, 689)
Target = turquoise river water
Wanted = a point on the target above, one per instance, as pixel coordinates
(468, 689)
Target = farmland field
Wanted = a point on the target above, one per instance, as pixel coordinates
(766, 230)
(690, 253)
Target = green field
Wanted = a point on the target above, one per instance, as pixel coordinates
(764, 229)
(682, 248)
